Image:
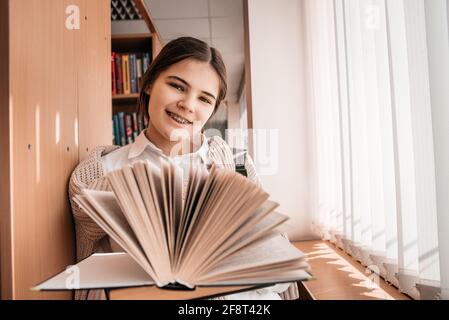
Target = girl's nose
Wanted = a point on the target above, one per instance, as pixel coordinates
(187, 104)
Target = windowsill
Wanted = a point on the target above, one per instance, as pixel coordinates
(341, 277)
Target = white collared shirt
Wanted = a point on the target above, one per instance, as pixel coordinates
(144, 149)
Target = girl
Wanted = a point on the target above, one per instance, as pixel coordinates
(181, 90)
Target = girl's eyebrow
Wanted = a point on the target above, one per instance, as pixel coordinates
(187, 84)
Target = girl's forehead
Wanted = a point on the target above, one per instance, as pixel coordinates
(196, 73)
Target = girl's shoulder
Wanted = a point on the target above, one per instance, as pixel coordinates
(91, 168)
(220, 153)
(217, 142)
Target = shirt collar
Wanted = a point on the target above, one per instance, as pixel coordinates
(142, 142)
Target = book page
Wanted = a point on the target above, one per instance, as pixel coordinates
(154, 215)
(197, 182)
(243, 238)
(205, 193)
(104, 210)
(124, 185)
(276, 250)
(165, 205)
(154, 178)
(270, 276)
(234, 202)
(241, 200)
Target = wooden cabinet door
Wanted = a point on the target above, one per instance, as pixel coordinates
(59, 104)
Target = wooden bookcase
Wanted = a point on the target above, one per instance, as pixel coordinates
(55, 104)
(55, 101)
(135, 43)
(129, 43)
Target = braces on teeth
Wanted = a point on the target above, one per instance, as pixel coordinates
(178, 119)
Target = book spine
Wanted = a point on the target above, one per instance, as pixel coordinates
(135, 127)
(125, 73)
(116, 130)
(146, 62)
(118, 71)
(121, 119)
(133, 73)
(139, 73)
(113, 132)
(113, 81)
(139, 124)
(128, 128)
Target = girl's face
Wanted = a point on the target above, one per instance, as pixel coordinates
(182, 99)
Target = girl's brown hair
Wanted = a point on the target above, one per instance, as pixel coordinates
(176, 51)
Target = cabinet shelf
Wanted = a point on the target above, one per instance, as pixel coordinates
(125, 97)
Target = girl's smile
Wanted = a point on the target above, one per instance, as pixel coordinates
(178, 120)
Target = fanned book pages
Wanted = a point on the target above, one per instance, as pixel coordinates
(223, 233)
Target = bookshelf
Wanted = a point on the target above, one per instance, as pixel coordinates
(55, 97)
(131, 55)
(118, 98)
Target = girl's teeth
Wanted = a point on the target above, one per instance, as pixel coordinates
(178, 119)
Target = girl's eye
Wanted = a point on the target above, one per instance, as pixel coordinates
(177, 87)
(205, 100)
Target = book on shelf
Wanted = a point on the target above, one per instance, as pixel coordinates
(118, 74)
(116, 130)
(126, 127)
(133, 73)
(125, 74)
(113, 75)
(129, 128)
(127, 70)
(135, 130)
(121, 126)
(225, 233)
(139, 72)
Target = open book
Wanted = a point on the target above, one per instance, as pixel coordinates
(223, 233)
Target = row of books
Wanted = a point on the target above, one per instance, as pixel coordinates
(127, 71)
(126, 127)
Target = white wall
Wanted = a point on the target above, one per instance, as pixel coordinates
(233, 110)
(279, 103)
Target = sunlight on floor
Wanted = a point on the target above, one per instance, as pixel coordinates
(368, 282)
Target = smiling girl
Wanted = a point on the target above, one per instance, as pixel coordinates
(181, 90)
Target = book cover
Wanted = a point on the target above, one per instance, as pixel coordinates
(139, 73)
(113, 76)
(128, 128)
(135, 124)
(139, 124)
(133, 72)
(125, 74)
(116, 130)
(121, 122)
(146, 61)
(118, 71)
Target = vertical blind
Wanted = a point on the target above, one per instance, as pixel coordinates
(377, 71)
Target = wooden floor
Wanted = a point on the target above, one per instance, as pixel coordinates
(339, 277)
